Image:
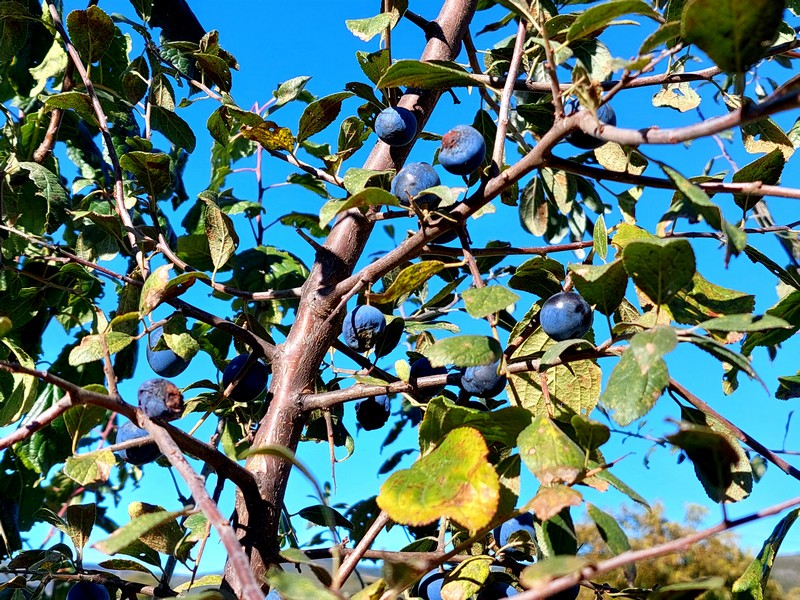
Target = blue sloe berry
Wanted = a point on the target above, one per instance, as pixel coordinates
(86, 590)
(430, 586)
(159, 398)
(362, 328)
(396, 126)
(138, 455)
(565, 316)
(251, 384)
(523, 524)
(581, 139)
(372, 413)
(463, 150)
(165, 363)
(483, 381)
(422, 368)
(411, 180)
(496, 590)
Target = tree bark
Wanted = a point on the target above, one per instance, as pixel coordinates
(296, 363)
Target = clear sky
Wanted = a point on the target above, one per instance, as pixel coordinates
(275, 41)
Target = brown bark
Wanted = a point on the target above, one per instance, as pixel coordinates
(296, 363)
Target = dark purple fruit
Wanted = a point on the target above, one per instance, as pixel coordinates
(396, 126)
(159, 398)
(86, 590)
(413, 179)
(165, 363)
(581, 139)
(483, 381)
(463, 150)
(251, 384)
(372, 413)
(422, 368)
(565, 316)
(362, 328)
(138, 455)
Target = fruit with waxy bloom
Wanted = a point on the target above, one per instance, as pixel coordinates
(362, 328)
(396, 126)
(463, 150)
(565, 316)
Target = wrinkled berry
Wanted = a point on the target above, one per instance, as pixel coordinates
(463, 150)
(165, 363)
(251, 384)
(411, 180)
(565, 316)
(159, 398)
(483, 381)
(138, 455)
(422, 368)
(581, 139)
(372, 413)
(396, 126)
(362, 327)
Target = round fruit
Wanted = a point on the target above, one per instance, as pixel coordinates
(251, 383)
(372, 413)
(86, 590)
(396, 126)
(497, 590)
(159, 398)
(411, 180)
(362, 328)
(430, 586)
(565, 316)
(138, 455)
(165, 363)
(273, 595)
(523, 524)
(581, 139)
(463, 150)
(483, 381)
(422, 368)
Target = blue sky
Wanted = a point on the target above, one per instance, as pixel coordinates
(276, 41)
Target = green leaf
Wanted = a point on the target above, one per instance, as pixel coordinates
(599, 17)
(467, 578)
(427, 75)
(295, 586)
(555, 351)
(744, 323)
(721, 352)
(158, 287)
(319, 114)
(741, 473)
(77, 101)
(550, 500)
(767, 170)
(660, 268)
(549, 453)
(640, 376)
(221, 234)
(80, 520)
(455, 480)
(443, 416)
(151, 170)
(91, 347)
(150, 524)
(91, 32)
(788, 309)
(753, 582)
(788, 387)
(705, 300)
(665, 34)
(464, 351)
(366, 29)
(174, 128)
(600, 237)
(215, 68)
(541, 276)
(609, 530)
(602, 286)
(713, 455)
(482, 302)
(14, 19)
(365, 198)
(325, 516)
(551, 568)
(614, 481)
(408, 280)
(81, 419)
(686, 590)
(288, 91)
(733, 34)
(91, 469)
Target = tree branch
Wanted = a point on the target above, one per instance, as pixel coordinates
(250, 589)
(734, 430)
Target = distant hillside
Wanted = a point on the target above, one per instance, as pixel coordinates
(786, 571)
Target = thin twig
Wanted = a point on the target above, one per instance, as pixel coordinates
(349, 563)
(498, 157)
